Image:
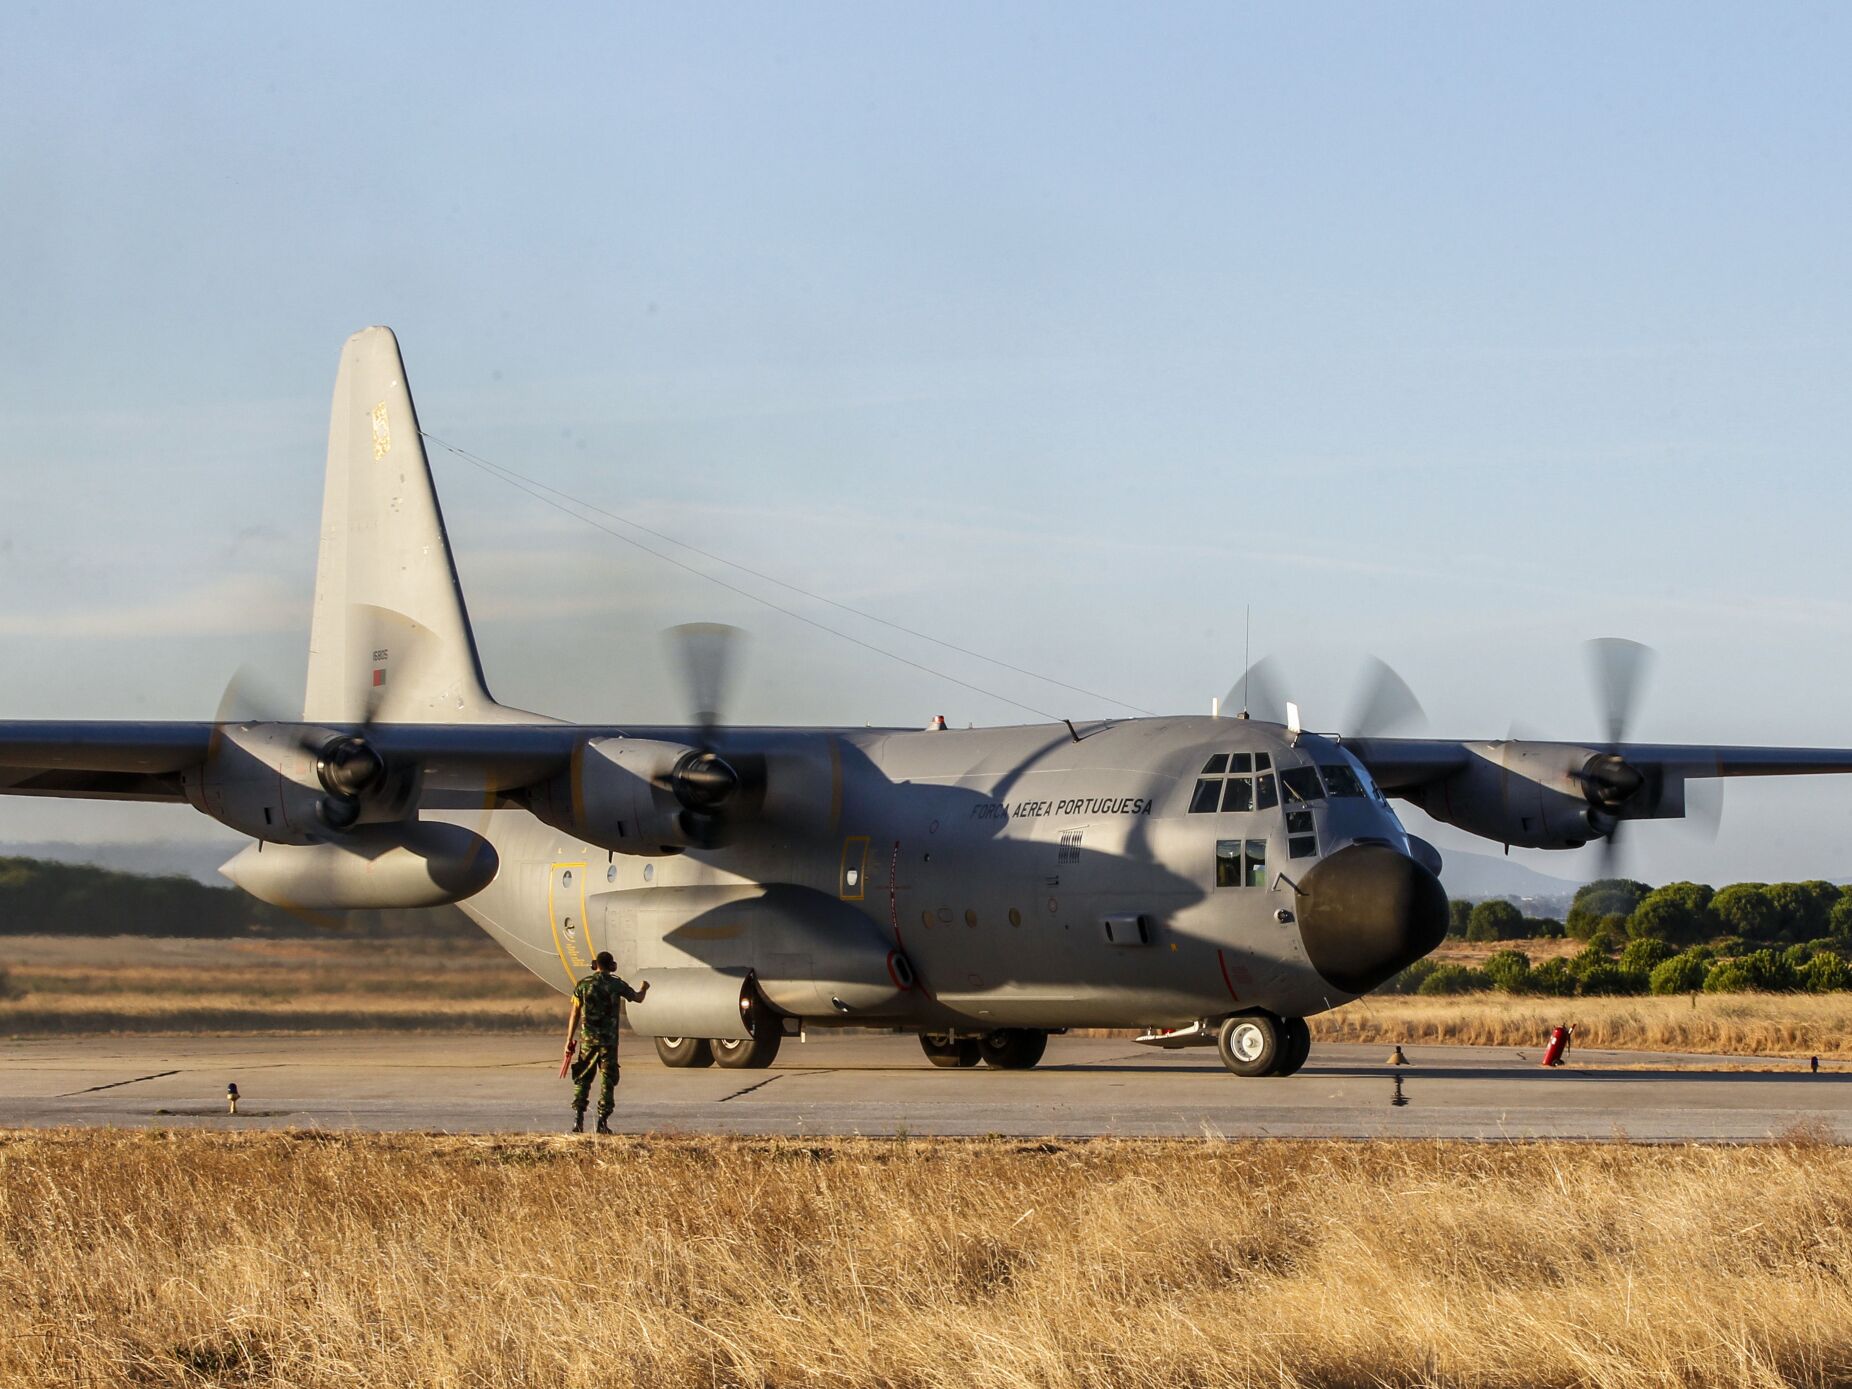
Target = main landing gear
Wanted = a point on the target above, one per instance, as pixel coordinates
(742, 1054)
(1259, 1044)
(1007, 1048)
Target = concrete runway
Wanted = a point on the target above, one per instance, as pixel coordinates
(882, 1085)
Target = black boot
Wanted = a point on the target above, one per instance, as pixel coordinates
(578, 1121)
(603, 1123)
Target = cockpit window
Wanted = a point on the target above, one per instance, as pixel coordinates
(1227, 782)
(1341, 781)
(1301, 785)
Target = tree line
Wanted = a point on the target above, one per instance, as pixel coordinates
(39, 896)
(1676, 939)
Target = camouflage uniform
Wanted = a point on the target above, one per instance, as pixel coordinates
(598, 996)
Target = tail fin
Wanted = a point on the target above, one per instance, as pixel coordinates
(390, 639)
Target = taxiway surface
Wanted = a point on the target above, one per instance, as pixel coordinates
(882, 1085)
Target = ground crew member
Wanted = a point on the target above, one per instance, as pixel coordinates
(594, 1026)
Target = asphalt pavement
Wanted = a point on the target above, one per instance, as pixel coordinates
(881, 1085)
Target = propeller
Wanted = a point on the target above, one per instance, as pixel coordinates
(704, 780)
(1381, 703)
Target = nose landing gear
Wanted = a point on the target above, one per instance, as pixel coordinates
(1259, 1044)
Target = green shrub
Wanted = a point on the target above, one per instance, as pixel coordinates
(1508, 971)
(1411, 979)
(1609, 978)
(1760, 971)
(1608, 897)
(1677, 912)
(1839, 919)
(1609, 936)
(1644, 953)
(1542, 928)
(1796, 955)
(1459, 913)
(1824, 974)
(1747, 910)
(1552, 978)
(1681, 974)
(1452, 979)
(1495, 920)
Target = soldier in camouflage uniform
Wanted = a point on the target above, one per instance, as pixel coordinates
(595, 1002)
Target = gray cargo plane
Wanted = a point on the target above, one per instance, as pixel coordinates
(1214, 881)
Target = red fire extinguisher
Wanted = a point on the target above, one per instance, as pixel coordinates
(1553, 1054)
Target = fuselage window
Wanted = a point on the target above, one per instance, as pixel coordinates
(1216, 765)
(1301, 785)
(1303, 838)
(1208, 796)
(1240, 863)
(1266, 793)
(1238, 794)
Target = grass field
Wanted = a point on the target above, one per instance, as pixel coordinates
(65, 986)
(1729, 1024)
(190, 1259)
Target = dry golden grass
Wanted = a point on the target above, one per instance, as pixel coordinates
(187, 1259)
(1735, 1024)
(68, 986)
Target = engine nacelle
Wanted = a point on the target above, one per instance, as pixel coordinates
(287, 784)
(1547, 795)
(260, 780)
(414, 864)
(638, 795)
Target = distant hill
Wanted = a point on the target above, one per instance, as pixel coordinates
(159, 858)
(1492, 875)
(41, 896)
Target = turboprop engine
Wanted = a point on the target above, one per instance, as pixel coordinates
(1548, 795)
(287, 784)
(643, 796)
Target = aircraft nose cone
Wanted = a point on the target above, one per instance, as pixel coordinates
(1368, 912)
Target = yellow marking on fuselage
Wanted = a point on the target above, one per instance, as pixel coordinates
(559, 946)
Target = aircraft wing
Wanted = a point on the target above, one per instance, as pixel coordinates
(1402, 765)
(106, 760)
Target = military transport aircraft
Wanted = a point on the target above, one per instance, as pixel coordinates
(1212, 880)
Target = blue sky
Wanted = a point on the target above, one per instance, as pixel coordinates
(1459, 334)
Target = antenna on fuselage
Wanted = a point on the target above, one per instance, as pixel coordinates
(1247, 653)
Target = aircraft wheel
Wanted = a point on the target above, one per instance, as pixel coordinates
(1013, 1048)
(942, 1049)
(1251, 1044)
(1296, 1045)
(685, 1053)
(743, 1054)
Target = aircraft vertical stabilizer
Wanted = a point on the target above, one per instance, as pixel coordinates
(390, 639)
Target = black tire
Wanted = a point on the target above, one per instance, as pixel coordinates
(685, 1053)
(942, 1049)
(1251, 1044)
(748, 1054)
(1013, 1048)
(1296, 1048)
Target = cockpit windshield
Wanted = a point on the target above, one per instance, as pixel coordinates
(1300, 785)
(1340, 780)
